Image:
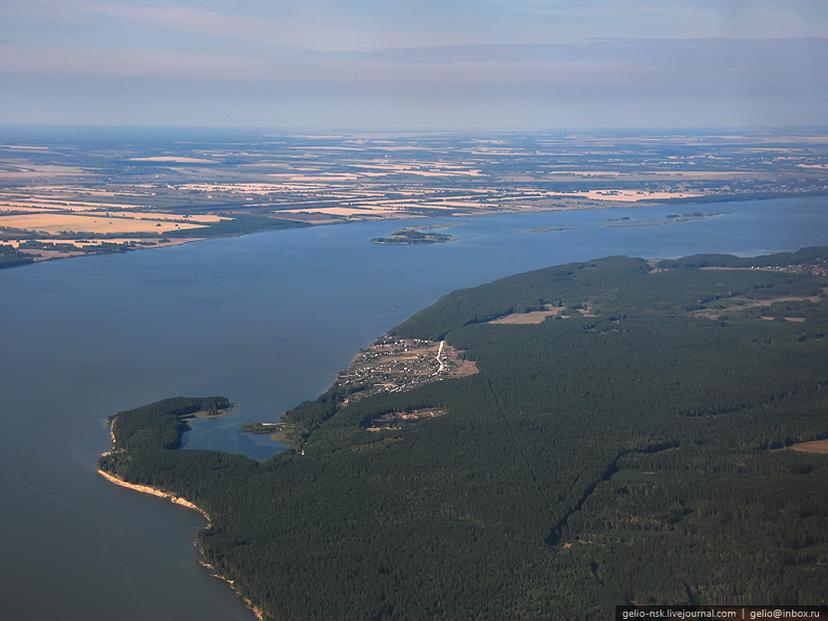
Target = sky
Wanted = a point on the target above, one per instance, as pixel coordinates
(415, 64)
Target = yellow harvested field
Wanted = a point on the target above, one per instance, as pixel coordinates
(48, 255)
(448, 203)
(344, 211)
(653, 175)
(55, 223)
(627, 196)
(436, 169)
(22, 147)
(43, 171)
(315, 178)
(173, 217)
(173, 159)
(100, 192)
(814, 446)
(40, 205)
(741, 304)
(80, 243)
(583, 173)
(5, 209)
(445, 173)
(260, 189)
(63, 202)
(533, 317)
(497, 151)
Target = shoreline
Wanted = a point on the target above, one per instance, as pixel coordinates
(103, 254)
(711, 199)
(154, 491)
(182, 502)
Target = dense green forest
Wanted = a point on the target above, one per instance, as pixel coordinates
(634, 453)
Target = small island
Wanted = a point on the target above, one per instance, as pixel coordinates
(673, 218)
(550, 229)
(413, 235)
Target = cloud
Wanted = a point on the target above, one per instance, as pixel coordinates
(599, 49)
(599, 68)
(172, 16)
(612, 66)
(449, 56)
(300, 24)
(184, 18)
(680, 18)
(67, 61)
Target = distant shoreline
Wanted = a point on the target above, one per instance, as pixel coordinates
(706, 200)
(102, 254)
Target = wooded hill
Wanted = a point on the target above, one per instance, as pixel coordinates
(637, 455)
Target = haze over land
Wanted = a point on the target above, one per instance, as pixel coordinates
(430, 64)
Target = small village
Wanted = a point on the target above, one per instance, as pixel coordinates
(392, 364)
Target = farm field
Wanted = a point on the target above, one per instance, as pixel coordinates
(122, 193)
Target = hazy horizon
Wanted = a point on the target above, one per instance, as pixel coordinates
(370, 65)
(53, 130)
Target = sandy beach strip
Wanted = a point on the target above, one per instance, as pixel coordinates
(183, 502)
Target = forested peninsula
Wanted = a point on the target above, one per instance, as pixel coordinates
(632, 433)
